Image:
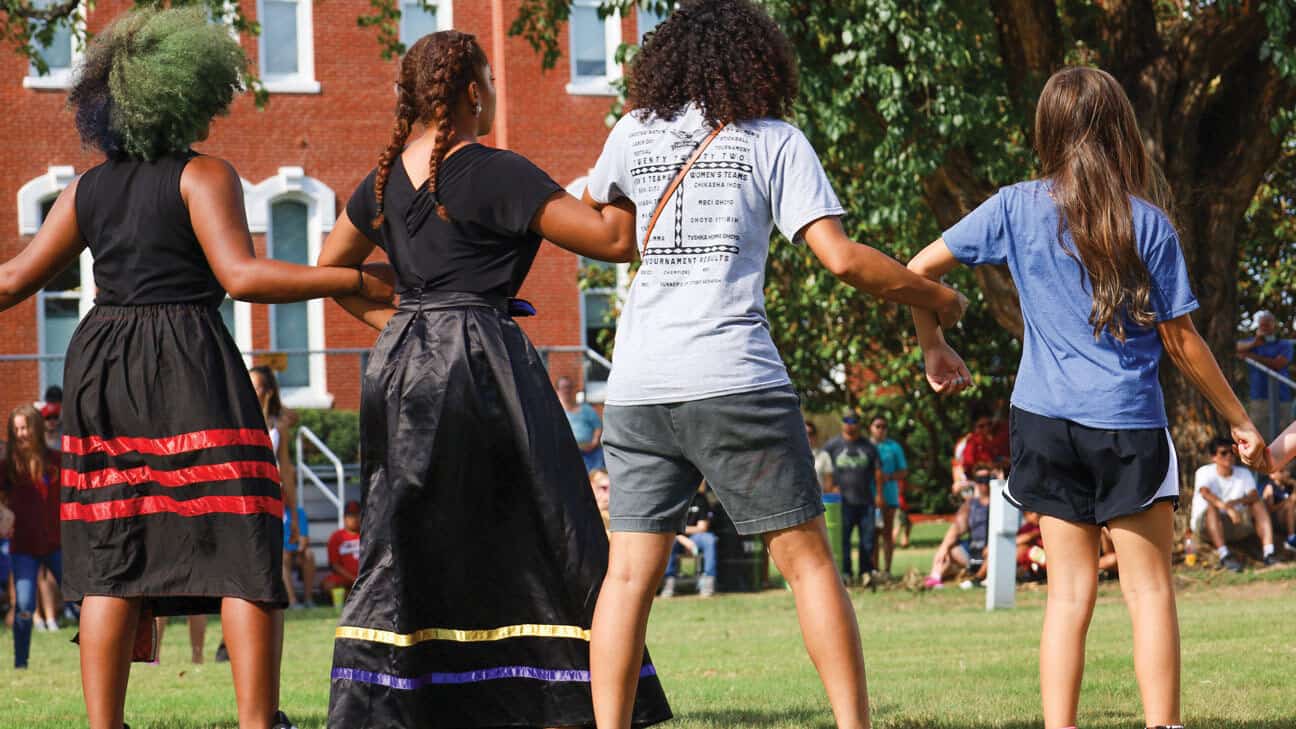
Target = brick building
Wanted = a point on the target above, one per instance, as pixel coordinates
(328, 118)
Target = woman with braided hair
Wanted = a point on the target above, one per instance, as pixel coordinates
(483, 547)
(171, 500)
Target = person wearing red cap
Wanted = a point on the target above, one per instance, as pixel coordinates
(52, 414)
(344, 551)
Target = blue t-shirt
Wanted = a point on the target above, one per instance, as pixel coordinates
(891, 458)
(584, 422)
(1065, 373)
(1260, 380)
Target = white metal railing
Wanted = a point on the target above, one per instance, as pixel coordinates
(305, 472)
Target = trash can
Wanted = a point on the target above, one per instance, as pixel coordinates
(833, 520)
(740, 563)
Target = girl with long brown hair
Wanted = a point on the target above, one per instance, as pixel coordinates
(29, 477)
(483, 549)
(1104, 292)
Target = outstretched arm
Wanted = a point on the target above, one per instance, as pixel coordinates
(56, 245)
(1194, 359)
(347, 246)
(1284, 447)
(589, 229)
(946, 372)
(214, 195)
(876, 273)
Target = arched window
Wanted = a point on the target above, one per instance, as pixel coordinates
(295, 212)
(67, 298)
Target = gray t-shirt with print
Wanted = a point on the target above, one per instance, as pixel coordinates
(694, 325)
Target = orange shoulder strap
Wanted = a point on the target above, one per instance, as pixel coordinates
(675, 183)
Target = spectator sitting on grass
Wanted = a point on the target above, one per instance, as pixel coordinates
(1107, 563)
(696, 539)
(1278, 501)
(344, 551)
(1226, 507)
(1030, 548)
(973, 520)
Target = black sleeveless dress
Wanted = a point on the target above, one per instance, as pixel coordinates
(483, 550)
(171, 491)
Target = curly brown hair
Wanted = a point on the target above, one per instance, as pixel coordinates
(434, 74)
(726, 56)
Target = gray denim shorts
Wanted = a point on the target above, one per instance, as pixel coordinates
(750, 447)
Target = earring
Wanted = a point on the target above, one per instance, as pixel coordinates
(477, 109)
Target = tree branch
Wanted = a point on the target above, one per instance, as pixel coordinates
(1031, 43)
(1128, 29)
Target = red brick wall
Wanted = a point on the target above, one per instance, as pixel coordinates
(335, 136)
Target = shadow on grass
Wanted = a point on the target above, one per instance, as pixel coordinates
(815, 719)
(310, 720)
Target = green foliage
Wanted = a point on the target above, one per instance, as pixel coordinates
(1267, 254)
(339, 429)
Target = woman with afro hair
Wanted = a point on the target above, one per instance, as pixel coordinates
(697, 388)
(171, 495)
(483, 547)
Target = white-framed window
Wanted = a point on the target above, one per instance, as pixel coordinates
(646, 20)
(593, 42)
(295, 212)
(61, 54)
(69, 296)
(420, 17)
(286, 46)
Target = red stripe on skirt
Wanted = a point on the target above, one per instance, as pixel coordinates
(195, 441)
(180, 477)
(143, 505)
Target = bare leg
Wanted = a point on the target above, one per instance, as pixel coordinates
(51, 597)
(636, 564)
(254, 639)
(107, 635)
(197, 632)
(308, 575)
(1072, 589)
(827, 618)
(160, 628)
(1144, 542)
(1263, 524)
(888, 534)
(288, 558)
(1287, 514)
(1214, 527)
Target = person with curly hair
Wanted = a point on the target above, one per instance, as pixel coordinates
(697, 388)
(483, 546)
(171, 495)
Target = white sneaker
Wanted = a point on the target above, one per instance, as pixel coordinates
(967, 585)
(668, 587)
(706, 586)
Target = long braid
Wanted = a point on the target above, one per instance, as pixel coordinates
(434, 77)
(406, 114)
(448, 64)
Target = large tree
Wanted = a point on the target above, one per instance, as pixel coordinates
(921, 109)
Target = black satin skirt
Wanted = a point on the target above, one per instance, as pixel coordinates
(482, 549)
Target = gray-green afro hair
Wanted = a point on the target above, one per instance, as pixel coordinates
(152, 81)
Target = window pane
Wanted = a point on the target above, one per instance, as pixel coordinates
(588, 42)
(227, 314)
(61, 317)
(288, 242)
(647, 21)
(416, 21)
(279, 31)
(58, 54)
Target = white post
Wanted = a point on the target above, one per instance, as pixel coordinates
(1001, 576)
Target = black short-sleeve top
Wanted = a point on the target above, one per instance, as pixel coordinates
(487, 247)
(136, 223)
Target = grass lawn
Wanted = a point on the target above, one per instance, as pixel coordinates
(936, 660)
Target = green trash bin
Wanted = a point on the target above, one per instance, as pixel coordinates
(833, 520)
